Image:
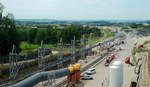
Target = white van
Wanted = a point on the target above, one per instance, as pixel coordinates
(91, 71)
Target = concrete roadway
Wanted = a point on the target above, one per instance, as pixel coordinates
(101, 75)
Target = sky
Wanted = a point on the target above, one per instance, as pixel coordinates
(79, 9)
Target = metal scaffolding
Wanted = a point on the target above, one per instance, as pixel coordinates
(41, 54)
(13, 56)
(58, 73)
(73, 50)
(89, 43)
(51, 80)
(60, 54)
(83, 47)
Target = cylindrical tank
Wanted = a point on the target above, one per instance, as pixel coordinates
(120, 65)
(114, 78)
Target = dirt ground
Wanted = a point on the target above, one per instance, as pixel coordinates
(144, 76)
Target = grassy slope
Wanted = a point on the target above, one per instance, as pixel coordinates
(106, 34)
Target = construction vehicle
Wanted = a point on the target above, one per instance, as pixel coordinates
(109, 59)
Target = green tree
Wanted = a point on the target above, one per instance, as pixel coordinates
(31, 34)
(40, 36)
(8, 33)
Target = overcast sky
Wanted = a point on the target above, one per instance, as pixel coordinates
(79, 9)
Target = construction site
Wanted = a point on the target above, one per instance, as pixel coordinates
(74, 43)
(120, 61)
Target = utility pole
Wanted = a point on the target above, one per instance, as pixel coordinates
(73, 50)
(13, 62)
(60, 54)
(83, 47)
(41, 53)
(89, 43)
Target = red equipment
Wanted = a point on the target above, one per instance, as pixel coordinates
(127, 60)
(112, 56)
(73, 77)
(69, 78)
(109, 59)
(78, 75)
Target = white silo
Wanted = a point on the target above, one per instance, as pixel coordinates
(115, 78)
(119, 63)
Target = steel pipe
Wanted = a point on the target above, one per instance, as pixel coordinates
(33, 80)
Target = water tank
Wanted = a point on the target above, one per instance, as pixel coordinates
(120, 65)
(114, 76)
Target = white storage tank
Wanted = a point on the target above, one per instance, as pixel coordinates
(120, 65)
(115, 77)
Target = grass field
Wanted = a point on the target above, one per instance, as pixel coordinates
(106, 34)
(29, 48)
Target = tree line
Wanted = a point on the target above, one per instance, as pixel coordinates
(53, 34)
(10, 34)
